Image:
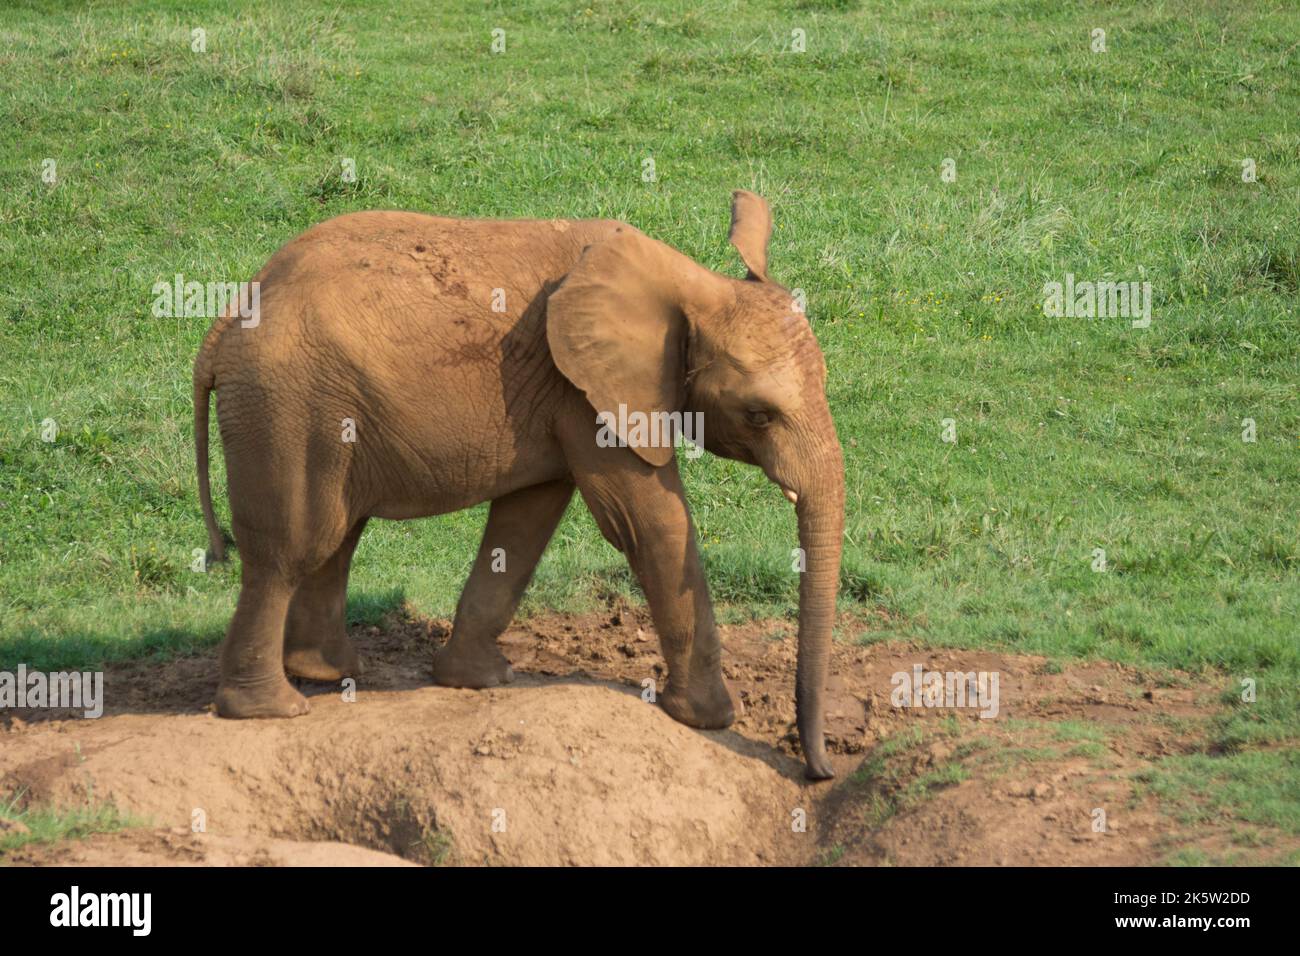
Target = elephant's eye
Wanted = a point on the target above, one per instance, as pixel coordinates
(758, 417)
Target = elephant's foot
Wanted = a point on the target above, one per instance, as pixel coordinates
(469, 665)
(270, 698)
(708, 708)
(331, 663)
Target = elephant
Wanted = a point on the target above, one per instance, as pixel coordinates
(403, 365)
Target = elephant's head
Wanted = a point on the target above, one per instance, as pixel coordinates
(638, 324)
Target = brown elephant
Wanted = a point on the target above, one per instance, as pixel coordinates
(404, 365)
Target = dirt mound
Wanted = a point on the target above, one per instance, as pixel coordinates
(571, 773)
(570, 765)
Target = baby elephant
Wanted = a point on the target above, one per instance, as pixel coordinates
(402, 365)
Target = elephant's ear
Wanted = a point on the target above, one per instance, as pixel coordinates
(751, 228)
(617, 329)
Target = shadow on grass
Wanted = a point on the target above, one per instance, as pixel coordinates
(83, 650)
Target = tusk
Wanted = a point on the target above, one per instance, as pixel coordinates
(792, 495)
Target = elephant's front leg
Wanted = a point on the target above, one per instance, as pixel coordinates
(519, 526)
(642, 511)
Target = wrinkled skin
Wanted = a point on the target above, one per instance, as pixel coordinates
(387, 319)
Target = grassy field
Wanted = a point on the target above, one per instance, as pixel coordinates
(1072, 434)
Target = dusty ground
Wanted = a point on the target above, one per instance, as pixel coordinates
(569, 765)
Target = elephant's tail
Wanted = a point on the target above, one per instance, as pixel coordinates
(204, 383)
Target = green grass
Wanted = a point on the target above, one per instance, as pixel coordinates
(48, 825)
(436, 846)
(893, 788)
(1072, 434)
(1255, 787)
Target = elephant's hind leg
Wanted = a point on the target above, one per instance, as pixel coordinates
(287, 470)
(252, 657)
(316, 643)
(278, 556)
(519, 526)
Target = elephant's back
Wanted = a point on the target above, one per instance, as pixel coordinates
(393, 275)
(362, 246)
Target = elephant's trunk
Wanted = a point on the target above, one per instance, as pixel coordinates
(820, 509)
